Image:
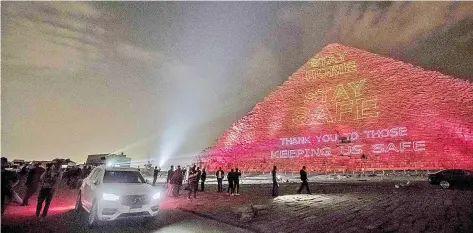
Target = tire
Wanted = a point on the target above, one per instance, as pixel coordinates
(78, 208)
(92, 219)
(445, 184)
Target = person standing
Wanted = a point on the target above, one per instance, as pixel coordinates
(236, 182)
(9, 180)
(274, 175)
(32, 181)
(199, 174)
(155, 175)
(181, 181)
(176, 181)
(23, 172)
(220, 174)
(49, 181)
(231, 179)
(203, 177)
(77, 177)
(169, 175)
(304, 183)
(192, 182)
(169, 181)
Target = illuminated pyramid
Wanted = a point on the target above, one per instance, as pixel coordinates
(348, 110)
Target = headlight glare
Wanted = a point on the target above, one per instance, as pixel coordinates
(110, 197)
(157, 195)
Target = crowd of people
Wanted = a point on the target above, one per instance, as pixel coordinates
(47, 179)
(44, 180)
(175, 179)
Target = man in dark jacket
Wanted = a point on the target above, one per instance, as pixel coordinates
(236, 182)
(8, 178)
(231, 180)
(220, 174)
(49, 180)
(304, 183)
(274, 174)
(202, 178)
(170, 172)
(155, 175)
(32, 181)
(199, 174)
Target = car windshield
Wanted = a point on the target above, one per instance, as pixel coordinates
(123, 177)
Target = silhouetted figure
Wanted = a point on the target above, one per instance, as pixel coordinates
(231, 180)
(274, 175)
(169, 174)
(48, 181)
(77, 176)
(220, 174)
(236, 181)
(155, 175)
(181, 181)
(9, 178)
(176, 181)
(168, 181)
(304, 183)
(32, 181)
(199, 174)
(202, 178)
(23, 172)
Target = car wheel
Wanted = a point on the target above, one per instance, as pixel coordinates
(78, 206)
(444, 184)
(93, 220)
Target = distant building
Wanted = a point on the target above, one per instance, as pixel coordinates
(96, 160)
(18, 161)
(109, 159)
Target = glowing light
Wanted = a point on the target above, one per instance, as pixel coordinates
(110, 197)
(157, 195)
(365, 111)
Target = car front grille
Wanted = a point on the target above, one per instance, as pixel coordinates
(135, 200)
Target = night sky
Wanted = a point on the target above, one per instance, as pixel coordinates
(162, 80)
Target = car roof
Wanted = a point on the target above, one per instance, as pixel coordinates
(449, 170)
(129, 169)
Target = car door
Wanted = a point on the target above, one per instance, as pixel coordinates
(86, 192)
(468, 177)
(458, 177)
(94, 183)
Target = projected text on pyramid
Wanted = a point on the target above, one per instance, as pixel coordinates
(344, 100)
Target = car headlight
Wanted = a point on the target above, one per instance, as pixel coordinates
(110, 197)
(157, 195)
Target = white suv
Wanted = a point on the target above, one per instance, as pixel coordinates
(109, 193)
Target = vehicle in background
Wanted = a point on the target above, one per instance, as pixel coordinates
(111, 193)
(14, 167)
(452, 177)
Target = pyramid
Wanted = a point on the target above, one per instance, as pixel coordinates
(351, 110)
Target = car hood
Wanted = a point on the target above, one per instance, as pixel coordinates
(128, 189)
